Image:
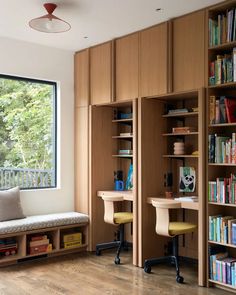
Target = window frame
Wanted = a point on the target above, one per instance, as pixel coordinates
(55, 129)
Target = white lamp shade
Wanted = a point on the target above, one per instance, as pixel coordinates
(49, 24)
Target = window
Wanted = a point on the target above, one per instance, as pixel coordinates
(27, 133)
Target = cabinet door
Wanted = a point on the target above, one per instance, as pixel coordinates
(153, 60)
(188, 51)
(127, 67)
(101, 73)
(81, 159)
(81, 63)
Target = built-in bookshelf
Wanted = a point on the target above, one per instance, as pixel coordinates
(172, 151)
(221, 138)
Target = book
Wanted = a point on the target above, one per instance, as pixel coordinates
(39, 237)
(125, 152)
(212, 113)
(129, 181)
(39, 242)
(183, 129)
(184, 110)
(72, 244)
(230, 106)
(72, 237)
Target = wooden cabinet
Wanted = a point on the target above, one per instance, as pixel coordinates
(81, 63)
(101, 73)
(188, 51)
(126, 49)
(82, 160)
(153, 60)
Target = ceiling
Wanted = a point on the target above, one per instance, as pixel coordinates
(92, 21)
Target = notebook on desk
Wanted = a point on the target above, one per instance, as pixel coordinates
(187, 199)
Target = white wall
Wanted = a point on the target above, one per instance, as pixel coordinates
(34, 61)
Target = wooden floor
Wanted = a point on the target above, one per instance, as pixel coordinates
(86, 274)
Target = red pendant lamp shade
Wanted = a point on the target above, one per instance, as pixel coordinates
(49, 23)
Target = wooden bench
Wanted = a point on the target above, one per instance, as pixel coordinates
(52, 227)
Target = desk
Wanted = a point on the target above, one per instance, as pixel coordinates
(184, 204)
(127, 195)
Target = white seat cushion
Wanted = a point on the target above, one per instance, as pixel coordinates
(42, 221)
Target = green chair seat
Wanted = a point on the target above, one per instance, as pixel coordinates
(123, 217)
(179, 228)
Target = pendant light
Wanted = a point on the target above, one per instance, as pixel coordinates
(49, 23)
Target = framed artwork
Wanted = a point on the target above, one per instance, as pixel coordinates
(187, 179)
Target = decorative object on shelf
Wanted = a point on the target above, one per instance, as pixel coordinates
(187, 179)
(179, 148)
(118, 180)
(49, 23)
(169, 195)
(129, 181)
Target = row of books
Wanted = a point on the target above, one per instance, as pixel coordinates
(39, 244)
(222, 229)
(222, 109)
(222, 29)
(8, 246)
(222, 149)
(223, 69)
(223, 268)
(223, 190)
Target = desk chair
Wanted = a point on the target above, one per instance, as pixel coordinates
(118, 219)
(169, 229)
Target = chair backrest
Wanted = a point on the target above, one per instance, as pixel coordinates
(163, 215)
(109, 208)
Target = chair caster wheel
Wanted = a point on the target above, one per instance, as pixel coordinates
(179, 279)
(117, 260)
(147, 268)
(98, 252)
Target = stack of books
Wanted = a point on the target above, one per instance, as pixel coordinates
(71, 240)
(8, 247)
(39, 244)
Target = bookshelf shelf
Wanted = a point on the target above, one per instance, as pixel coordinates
(221, 125)
(221, 164)
(122, 137)
(122, 121)
(223, 46)
(122, 156)
(222, 284)
(189, 114)
(180, 134)
(222, 204)
(223, 85)
(222, 244)
(180, 156)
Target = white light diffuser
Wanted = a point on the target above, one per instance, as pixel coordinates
(49, 23)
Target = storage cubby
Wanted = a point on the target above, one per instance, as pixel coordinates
(40, 242)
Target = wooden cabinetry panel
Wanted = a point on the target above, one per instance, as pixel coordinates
(188, 51)
(81, 62)
(153, 60)
(127, 67)
(101, 73)
(81, 159)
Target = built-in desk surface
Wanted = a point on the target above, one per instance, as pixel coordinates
(127, 195)
(184, 204)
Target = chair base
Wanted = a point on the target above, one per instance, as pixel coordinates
(121, 244)
(174, 259)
